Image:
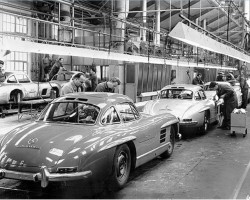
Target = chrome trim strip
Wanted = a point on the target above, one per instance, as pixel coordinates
(189, 123)
(139, 157)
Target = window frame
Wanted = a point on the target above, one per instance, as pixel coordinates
(105, 124)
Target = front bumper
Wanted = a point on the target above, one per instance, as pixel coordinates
(44, 176)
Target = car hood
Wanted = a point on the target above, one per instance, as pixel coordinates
(40, 143)
(176, 107)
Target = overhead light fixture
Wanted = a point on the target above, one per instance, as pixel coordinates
(193, 37)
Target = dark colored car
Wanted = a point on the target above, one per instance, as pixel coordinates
(99, 136)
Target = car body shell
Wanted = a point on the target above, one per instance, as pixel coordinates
(190, 111)
(19, 82)
(236, 86)
(36, 151)
(63, 77)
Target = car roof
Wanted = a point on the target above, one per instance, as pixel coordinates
(96, 98)
(182, 86)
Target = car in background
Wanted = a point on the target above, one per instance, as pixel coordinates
(236, 86)
(248, 96)
(18, 86)
(189, 104)
(97, 136)
(65, 76)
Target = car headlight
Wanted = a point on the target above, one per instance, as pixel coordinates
(63, 170)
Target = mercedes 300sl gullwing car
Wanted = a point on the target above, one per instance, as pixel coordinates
(19, 86)
(188, 103)
(100, 136)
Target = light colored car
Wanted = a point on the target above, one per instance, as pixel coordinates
(236, 86)
(248, 96)
(188, 103)
(100, 136)
(66, 76)
(63, 77)
(19, 86)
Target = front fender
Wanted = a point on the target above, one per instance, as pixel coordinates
(170, 122)
(117, 142)
(204, 109)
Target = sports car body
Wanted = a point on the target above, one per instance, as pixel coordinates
(236, 86)
(188, 103)
(100, 136)
(18, 86)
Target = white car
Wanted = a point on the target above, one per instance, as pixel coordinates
(18, 86)
(189, 104)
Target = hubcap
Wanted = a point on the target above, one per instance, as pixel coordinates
(122, 165)
(205, 123)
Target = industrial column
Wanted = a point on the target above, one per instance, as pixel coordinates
(144, 20)
(122, 7)
(65, 33)
(158, 22)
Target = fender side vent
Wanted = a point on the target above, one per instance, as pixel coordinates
(163, 135)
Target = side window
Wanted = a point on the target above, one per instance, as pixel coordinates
(110, 116)
(197, 96)
(202, 95)
(22, 78)
(12, 79)
(127, 113)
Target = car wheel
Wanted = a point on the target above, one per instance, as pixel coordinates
(121, 168)
(205, 125)
(170, 149)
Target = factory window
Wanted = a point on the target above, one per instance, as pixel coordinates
(15, 61)
(13, 24)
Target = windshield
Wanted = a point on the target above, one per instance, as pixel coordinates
(71, 112)
(176, 94)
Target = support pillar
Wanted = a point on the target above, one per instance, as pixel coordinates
(144, 20)
(158, 22)
(65, 34)
(122, 6)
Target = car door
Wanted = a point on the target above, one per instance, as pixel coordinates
(30, 89)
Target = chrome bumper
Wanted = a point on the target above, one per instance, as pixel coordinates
(188, 123)
(44, 176)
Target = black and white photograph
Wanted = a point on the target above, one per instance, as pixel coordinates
(124, 99)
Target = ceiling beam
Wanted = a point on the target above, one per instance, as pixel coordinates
(131, 15)
(177, 12)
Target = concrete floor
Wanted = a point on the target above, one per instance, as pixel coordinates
(211, 166)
